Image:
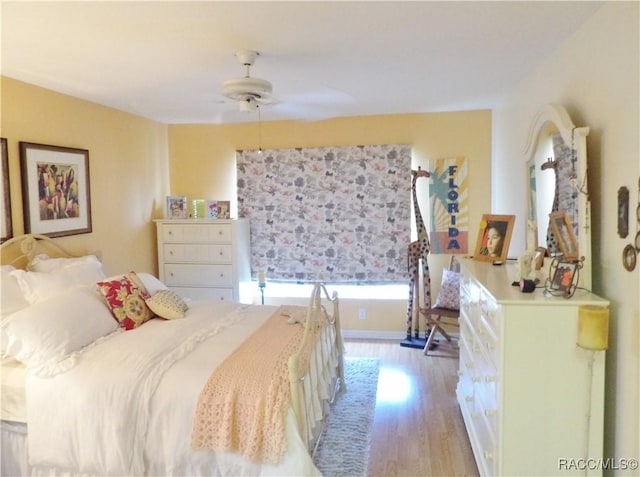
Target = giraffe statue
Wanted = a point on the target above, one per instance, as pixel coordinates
(552, 243)
(417, 251)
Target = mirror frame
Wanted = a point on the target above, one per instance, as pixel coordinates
(576, 138)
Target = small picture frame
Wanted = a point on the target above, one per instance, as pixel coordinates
(629, 257)
(211, 209)
(224, 209)
(176, 207)
(563, 277)
(538, 258)
(494, 236)
(563, 231)
(623, 212)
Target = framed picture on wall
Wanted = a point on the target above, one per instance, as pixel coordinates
(177, 207)
(7, 227)
(55, 189)
(494, 236)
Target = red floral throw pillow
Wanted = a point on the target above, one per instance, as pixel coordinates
(125, 297)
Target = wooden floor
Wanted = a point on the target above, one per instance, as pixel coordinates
(418, 429)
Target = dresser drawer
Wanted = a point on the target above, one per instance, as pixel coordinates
(202, 253)
(177, 274)
(197, 293)
(217, 233)
(490, 312)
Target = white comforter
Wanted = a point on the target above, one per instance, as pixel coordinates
(127, 406)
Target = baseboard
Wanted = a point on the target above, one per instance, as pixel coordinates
(373, 335)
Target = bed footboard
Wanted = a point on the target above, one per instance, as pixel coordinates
(324, 369)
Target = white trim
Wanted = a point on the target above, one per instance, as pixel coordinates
(373, 335)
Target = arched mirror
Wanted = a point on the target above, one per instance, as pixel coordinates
(556, 155)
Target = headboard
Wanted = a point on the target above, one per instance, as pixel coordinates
(20, 250)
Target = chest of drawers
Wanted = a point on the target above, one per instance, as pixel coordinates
(531, 399)
(204, 259)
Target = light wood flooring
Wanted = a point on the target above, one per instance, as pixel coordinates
(418, 428)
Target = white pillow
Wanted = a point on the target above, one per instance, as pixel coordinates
(12, 297)
(44, 335)
(151, 283)
(38, 286)
(46, 264)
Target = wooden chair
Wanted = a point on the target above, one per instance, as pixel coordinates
(437, 316)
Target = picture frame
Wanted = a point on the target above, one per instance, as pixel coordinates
(494, 237)
(224, 209)
(211, 209)
(629, 257)
(56, 192)
(564, 277)
(563, 231)
(623, 212)
(176, 207)
(7, 224)
(541, 252)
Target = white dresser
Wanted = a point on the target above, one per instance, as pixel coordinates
(204, 259)
(531, 399)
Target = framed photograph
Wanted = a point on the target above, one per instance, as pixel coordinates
(55, 189)
(494, 236)
(538, 258)
(224, 209)
(177, 207)
(211, 209)
(7, 227)
(563, 231)
(563, 278)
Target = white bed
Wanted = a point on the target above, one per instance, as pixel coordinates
(123, 402)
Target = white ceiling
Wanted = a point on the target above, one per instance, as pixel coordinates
(167, 60)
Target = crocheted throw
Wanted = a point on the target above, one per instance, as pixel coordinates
(242, 408)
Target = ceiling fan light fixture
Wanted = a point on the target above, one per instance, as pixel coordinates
(247, 104)
(240, 88)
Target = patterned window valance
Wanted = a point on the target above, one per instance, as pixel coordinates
(336, 214)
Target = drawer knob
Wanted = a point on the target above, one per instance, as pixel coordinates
(489, 412)
(220, 232)
(476, 379)
(170, 232)
(171, 252)
(468, 398)
(221, 275)
(488, 455)
(489, 379)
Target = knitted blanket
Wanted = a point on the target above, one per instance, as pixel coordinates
(242, 407)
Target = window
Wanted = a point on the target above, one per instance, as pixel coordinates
(335, 214)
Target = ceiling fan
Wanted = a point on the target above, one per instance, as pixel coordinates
(249, 92)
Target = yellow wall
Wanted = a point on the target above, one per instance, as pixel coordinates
(135, 163)
(203, 167)
(128, 163)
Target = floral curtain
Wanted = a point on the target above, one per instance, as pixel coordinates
(336, 214)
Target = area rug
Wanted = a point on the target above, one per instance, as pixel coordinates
(343, 450)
